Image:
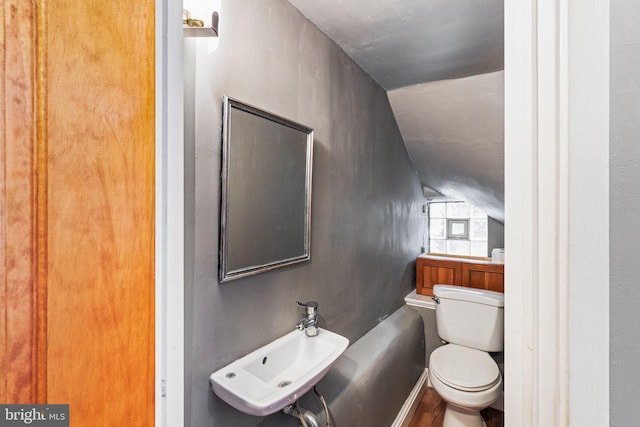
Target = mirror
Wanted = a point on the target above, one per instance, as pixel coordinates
(265, 211)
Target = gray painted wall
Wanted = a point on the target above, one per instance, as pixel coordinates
(624, 213)
(495, 235)
(367, 223)
(431, 338)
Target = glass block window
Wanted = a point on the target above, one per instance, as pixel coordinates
(457, 228)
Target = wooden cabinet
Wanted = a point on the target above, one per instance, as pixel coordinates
(430, 271)
(473, 273)
(483, 276)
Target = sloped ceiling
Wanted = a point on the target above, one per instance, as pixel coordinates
(440, 62)
(453, 130)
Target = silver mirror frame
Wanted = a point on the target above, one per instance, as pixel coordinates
(225, 275)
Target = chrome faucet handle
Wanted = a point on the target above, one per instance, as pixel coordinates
(310, 307)
(310, 321)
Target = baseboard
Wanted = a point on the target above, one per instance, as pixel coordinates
(409, 408)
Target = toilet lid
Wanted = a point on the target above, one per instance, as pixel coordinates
(464, 368)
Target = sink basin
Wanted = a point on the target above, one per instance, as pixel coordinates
(279, 373)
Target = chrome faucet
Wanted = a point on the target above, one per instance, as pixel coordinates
(309, 324)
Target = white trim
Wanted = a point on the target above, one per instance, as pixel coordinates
(404, 417)
(169, 327)
(556, 205)
(519, 212)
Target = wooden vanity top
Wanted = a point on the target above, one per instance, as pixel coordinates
(474, 260)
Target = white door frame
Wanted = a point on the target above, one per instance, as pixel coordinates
(169, 401)
(556, 209)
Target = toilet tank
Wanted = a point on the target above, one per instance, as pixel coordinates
(470, 317)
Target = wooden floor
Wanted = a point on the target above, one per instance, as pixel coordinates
(430, 412)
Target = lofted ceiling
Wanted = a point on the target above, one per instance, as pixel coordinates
(441, 63)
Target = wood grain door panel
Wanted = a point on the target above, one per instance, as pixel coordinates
(77, 208)
(22, 337)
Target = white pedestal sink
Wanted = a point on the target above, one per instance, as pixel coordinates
(279, 373)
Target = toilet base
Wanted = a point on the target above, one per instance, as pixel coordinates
(455, 416)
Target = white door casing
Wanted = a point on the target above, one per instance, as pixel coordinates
(556, 238)
(169, 400)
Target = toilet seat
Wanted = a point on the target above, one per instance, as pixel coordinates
(464, 368)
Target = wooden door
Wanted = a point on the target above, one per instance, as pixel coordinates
(77, 208)
(21, 266)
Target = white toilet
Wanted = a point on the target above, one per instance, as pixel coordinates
(462, 372)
